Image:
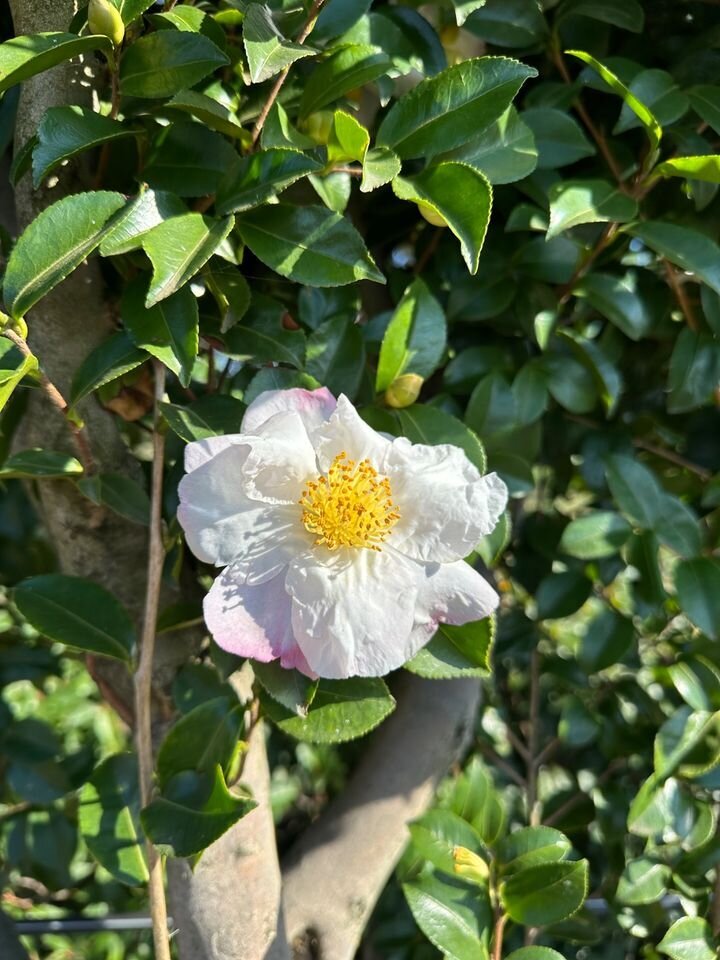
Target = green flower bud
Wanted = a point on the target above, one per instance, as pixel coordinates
(404, 391)
(431, 215)
(104, 20)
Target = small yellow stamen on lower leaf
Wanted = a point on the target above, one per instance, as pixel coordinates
(350, 507)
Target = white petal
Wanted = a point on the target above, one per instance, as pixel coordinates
(347, 431)
(279, 461)
(200, 451)
(313, 406)
(224, 526)
(452, 593)
(445, 505)
(353, 610)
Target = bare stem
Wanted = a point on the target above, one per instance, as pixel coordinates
(497, 761)
(533, 739)
(79, 435)
(680, 294)
(617, 764)
(429, 251)
(498, 936)
(604, 241)
(282, 77)
(144, 673)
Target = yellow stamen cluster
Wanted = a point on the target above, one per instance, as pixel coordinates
(350, 507)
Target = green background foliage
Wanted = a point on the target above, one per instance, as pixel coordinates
(564, 319)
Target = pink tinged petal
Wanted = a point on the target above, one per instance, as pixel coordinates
(353, 610)
(200, 451)
(279, 461)
(347, 432)
(445, 505)
(312, 406)
(250, 621)
(223, 526)
(452, 593)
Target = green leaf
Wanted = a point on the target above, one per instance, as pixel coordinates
(689, 938)
(336, 355)
(573, 202)
(679, 740)
(414, 341)
(463, 9)
(76, 612)
(381, 166)
(254, 179)
(569, 383)
(279, 132)
(437, 833)
(10, 379)
(119, 494)
(452, 917)
(185, 58)
(644, 115)
(290, 688)
(168, 330)
(341, 710)
(626, 14)
(351, 66)
(109, 819)
(213, 114)
(606, 640)
(687, 248)
(659, 93)
(509, 23)
(705, 101)
(111, 359)
(349, 139)
(310, 245)
(40, 464)
(618, 299)
(146, 211)
(475, 799)
(54, 244)
(231, 291)
(178, 249)
(25, 57)
(268, 51)
(561, 594)
(504, 152)
(691, 168)
(423, 424)
(547, 893)
(456, 651)
(535, 953)
(188, 159)
(559, 139)
(445, 111)
(530, 847)
(694, 371)
(262, 338)
(697, 582)
(463, 198)
(201, 740)
(697, 680)
(198, 811)
(337, 16)
(132, 9)
(596, 535)
(643, 881)
(66, 131)
(210, 416)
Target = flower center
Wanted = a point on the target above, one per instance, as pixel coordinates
(350, 507)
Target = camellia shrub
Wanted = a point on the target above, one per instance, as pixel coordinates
(359, 444)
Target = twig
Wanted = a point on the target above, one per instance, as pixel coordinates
(352, 171)
(533, 732)
(497, 761)
(282, 77)
(144, 673)
(429, 251)
(517, 742)
(578, 797)
(498, 936)
(681, 296)
(547, 752)
(79, 435)
(604, 241)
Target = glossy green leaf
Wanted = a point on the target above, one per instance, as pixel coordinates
(445, 111)
(188, 160)
(201, 740)
(309, 245)
(111, 359)
(132, 9)
(689, 938)
(11, 378)
(336, 355)
(594, 536)
(341, 710)
(168, 330)
(210, 416)
(349, 139)
(508, 23)
(40, 464)
(109, 819)
(26, 56)
(705, 101)
(475, 799)
(574, 202)
(146, 211)
(414, 341)
(262, 338)
(463, 198)
(535, 953)
(694, 371)
(691, 168)
(54, 244)
(561, 594)
(254, 179)
(504, 152)
(381, 166)
(544, 894)
(530, 847)
(697, 582)
(452, 917)
(184, 59)
(424, 424)
(606, 640)
(351, 66)
(657, 91)
(559, 139)
(66, 131)
(456, 651)
(619, 299)
(437, 833)
(76, 612)
(212, 113)
(697, 680)
(268, 51)
(178, 248)
(687, 248)
(626, 14)
(643, 881)
(678, 741)
(290, 688)
(118, 493)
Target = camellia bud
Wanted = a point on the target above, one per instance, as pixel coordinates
(404, 391)
(431, 215)
(470, 866)
(104, 20)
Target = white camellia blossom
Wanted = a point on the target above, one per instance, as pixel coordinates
(343, 549)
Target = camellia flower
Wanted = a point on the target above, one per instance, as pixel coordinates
(343, 548)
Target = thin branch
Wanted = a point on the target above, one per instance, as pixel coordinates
(144, 673)
(79, 435)
(352, 171)
(497, 761)
(282, 77)
(617, 764)
(533, 739)
(517, 742)
(604, 241)
(498, 936)
(546, 752)
(429, 251)
(678, 289)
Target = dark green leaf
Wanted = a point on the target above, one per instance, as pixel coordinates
(425, 424)
(114, 357)
(689, 938)
(618, 299)
(290, 688)
(268, 51)
(456, 651)
(201, 740)
(119, 494)
(189, 160)
(162, 64)
(504, 152)
(574, 202)
(40, 464)
(694, 371)
(66, 131)
(349, 67)
(210, 416)
(705, 101)
(561, 594)
(547, 893)
(254, 179)
(262, 338)
(414, 341)
(168, 330)
(24, 57)
(657, 91)
(451, 916)
(697, 582)
(597, 535)
(559, 139)
(508, 23)
(606, 640)
(626, 14)
(530, 847)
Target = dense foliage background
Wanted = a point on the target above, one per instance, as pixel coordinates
(577, 339)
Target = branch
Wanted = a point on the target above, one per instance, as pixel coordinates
(676, 285)
(242, 860)
(282, 77)
(364, 831)
(144, 673)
